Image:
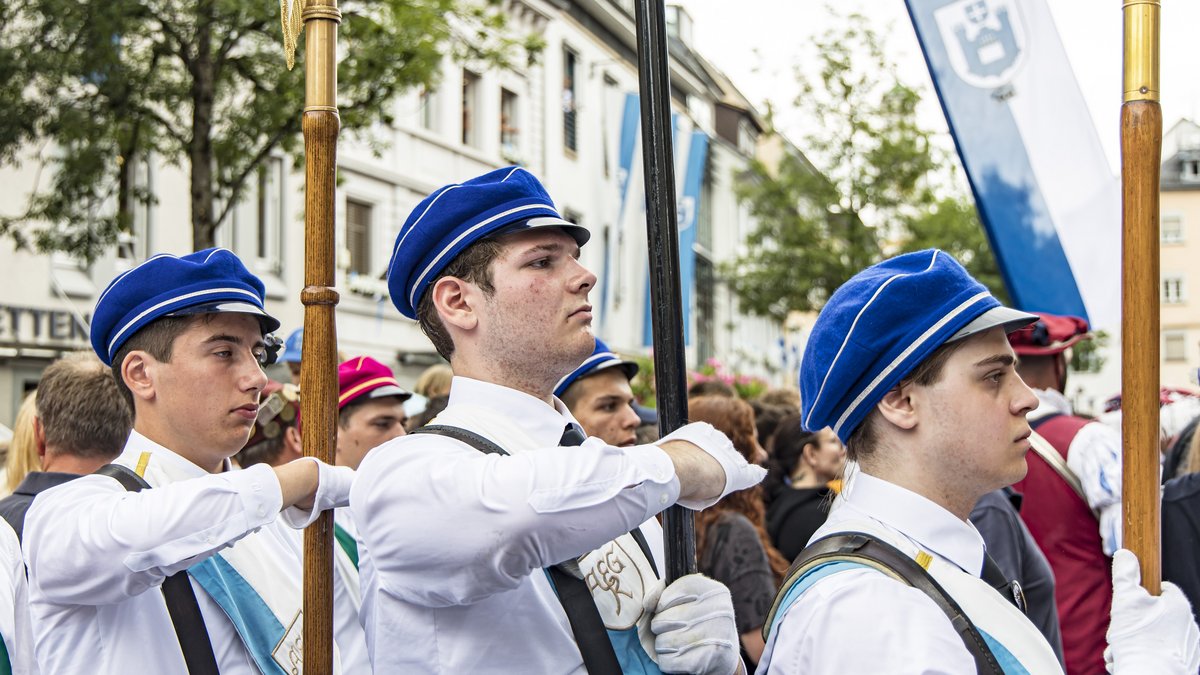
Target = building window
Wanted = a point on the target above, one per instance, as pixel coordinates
(510, 128)
(611, 107)
(1191, 171)
(1172, 228)
(429, 109)
(470, 108)
(1174, 347)
(706, 286)
(1172, 290)
(572, 217)
(704, 224)
(269, 235)
(747, 137)
(133, 244)
(570, 100)
(358, 236)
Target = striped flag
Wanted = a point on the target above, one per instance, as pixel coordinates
(1044, 190)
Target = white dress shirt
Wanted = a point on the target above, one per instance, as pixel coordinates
(861, 621)
(14, 604)
(1095, 457)
(98, 554)
(454, 540)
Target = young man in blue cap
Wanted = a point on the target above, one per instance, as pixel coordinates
(186, 338)
(494, 550)
(909, 364)
(599, 397)
(292, 354)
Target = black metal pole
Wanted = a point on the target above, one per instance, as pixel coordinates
(662, 228)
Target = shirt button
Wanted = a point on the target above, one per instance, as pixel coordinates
(662, 499)
(262, 511)
(210, 539)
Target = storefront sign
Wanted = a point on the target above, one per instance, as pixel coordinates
(36, 326)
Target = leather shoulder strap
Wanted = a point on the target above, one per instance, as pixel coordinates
(1054, 459)
(462, 435)
(125, 476)
(178, 593)
(883, 557)
(573, 594)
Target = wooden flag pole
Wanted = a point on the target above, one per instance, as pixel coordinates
(1141, 154)
(662, 229)
(318, 376)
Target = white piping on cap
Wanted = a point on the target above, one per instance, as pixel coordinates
(850, 332)
(905, 354)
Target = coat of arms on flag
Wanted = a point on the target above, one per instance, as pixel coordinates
(984, 40)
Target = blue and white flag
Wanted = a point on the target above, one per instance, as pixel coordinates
(687, 210)
(627, 149)
(1046, 195)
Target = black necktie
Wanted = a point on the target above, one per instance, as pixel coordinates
(1010, 589)
(572, 435)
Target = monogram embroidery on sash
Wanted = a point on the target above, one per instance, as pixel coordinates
(614, 574)
(289, 653)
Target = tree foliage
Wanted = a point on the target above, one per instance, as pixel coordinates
(868, 190)
(952, 224)
(200, 84)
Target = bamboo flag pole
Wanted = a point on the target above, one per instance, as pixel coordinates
(318, 374)
(662, 229)
(1141, 154)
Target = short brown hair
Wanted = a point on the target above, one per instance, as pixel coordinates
(81, 410)
(863, 439)
(473, 265)
(156, 339)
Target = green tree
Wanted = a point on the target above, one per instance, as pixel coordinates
(201, 84)
(818, 223)
(952, 224)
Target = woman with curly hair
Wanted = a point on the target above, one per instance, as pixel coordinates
(797, 488)
(732, 545)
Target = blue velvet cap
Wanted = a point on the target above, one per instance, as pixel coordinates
(602, 358)
(208, 281)
(881, 324)
(452, 218)
(293, 347)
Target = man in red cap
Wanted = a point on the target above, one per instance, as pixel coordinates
(1072, 493)
(370, 408)
(370, 413)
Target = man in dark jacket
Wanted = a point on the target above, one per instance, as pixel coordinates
(81, 425)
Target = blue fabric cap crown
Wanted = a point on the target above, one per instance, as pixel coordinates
(293, 347)
(880, 325)
(212, 280)
(602, 358)
(452, 218)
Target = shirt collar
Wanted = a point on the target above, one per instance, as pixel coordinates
(543, 423)
(1050, 402)
(177, 466)
(930, 526)
(36, 482)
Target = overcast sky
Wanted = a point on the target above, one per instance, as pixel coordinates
(758, 42)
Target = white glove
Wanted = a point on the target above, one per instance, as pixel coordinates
(333, 491)
(1149, 634)
(693, 628)
(739, 474)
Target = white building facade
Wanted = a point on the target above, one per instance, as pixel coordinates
(562, 117)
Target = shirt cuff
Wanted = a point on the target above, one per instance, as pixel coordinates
(260, 493)
(661, 484)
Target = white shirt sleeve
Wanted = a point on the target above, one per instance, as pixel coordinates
(859, 621)
(1095, 457)
(448, 525)
(14, 601)
(91, 542)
